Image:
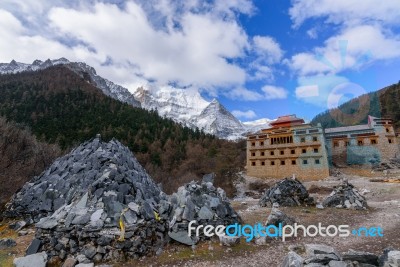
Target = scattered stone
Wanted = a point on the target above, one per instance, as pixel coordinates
(335, 172)
(298, 248)
(47, 223)
(345, 195)
(91, 264)
(209, 178)
(37, 260)
(7, 243)
(315, 249)
(321, 258)
(322, 255)
(260, 240)
(17, 225)
(89, 251)
(229, 240)
(393, 259)
(22, 233)
(393, 163)
(292, 260)
(33, 247)
(287, 192)
(361, 257)
(54, 261)
(69, 262)
(182, 237)
(277, 217)
(338, 264)
(205, 213)
(82, 258)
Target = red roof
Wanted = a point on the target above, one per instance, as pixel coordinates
(287, 120)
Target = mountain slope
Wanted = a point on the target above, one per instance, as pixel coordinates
(85, 71)
(215, 119)
(62, 108)
(381, 103)
(188, 107)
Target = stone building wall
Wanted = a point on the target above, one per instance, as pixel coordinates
(305, 157)
(374, 148)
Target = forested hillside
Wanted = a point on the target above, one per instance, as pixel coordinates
(382, 103)
(61, 108)
(22, 156)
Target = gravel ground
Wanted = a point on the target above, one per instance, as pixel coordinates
(384, 211)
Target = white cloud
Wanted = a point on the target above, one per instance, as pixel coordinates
(367, 27)
(268, 92)
(350, 49)
(18, 44)
(312, 33)
(267, 48)
(188, 43)
(350, 12)
(307, 91)
(249, 114)
(244, 94)
(267, 54)
(320, 90)
(273, 92)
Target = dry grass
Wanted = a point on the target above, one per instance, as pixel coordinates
(7, 255)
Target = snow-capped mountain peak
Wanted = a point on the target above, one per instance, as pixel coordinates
(217, 120)
(257, 125)
(178, 104)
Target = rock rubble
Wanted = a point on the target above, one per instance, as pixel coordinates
(202, 203)
(345, 196)
(323, 255)
(287, 192)
(96, 204)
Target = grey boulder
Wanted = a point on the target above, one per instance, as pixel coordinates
(37, 260)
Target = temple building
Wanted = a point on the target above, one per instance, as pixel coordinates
(362, 144)
(289, 147)
(293, 147)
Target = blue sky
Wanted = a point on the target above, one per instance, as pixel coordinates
(261, 58)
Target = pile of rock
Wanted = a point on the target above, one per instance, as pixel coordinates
(393, 163)
(322, 255)
(94, 167)
(202, 203)
(277, 217)
(345, 196)
(96, 203)
(287, 192)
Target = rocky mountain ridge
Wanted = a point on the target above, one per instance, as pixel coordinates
(82, 69)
